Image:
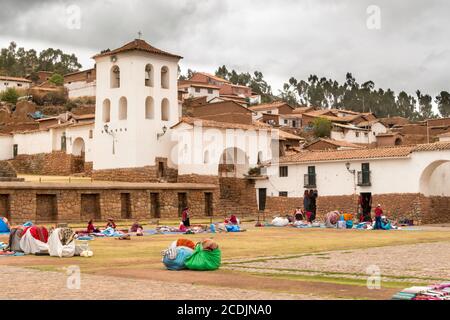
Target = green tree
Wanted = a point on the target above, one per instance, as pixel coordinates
(322, 127)
(20, 62)
(443, 102)
(10, 95)
(56, 79)
(425, 105)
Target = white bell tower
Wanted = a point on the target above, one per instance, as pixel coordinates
(136, 103)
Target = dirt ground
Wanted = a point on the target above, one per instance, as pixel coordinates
(262, 263)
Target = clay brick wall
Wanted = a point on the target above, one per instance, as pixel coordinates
(55, 163)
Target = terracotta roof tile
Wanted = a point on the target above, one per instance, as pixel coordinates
(375, 153)
(7, 78)
(268, 106)
(139, 45)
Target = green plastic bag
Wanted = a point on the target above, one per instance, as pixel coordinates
(204, 260)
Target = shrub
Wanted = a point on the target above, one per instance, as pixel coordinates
(10, 95)
(321, 127)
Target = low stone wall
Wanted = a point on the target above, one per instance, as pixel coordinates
(64, 204)
(396, 206)
(56, 163)
(7, 170)
(197, 178)
(141, 174)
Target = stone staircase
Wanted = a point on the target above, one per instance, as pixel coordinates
(8, 173)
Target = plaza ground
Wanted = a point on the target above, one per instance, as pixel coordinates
(261, 263)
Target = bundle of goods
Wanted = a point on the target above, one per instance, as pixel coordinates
(280, 222)
(4, 225)
(206, 257)
(179, 251)
(437, 292)
(406, 222)
(332, 219)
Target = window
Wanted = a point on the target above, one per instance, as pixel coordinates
(210, 91)
(285, 121)
(6, 84)
(91, 134)
(123, 108)
(149, 75)
(366, 134)
(19, 84)
(63, 142)
(357, 134)
(269, 112)
(283, 194)
(106, 112)
(115, 77)
(15, 150)
(165, 110)
(165, 77)
(197, 90)
(310, 178)
(149, 108)
(283, 171)
(364, 175)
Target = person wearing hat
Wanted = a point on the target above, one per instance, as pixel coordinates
(378, 215)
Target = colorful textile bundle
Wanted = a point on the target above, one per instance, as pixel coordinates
(204, 260)
(39, 233)
(185, 243)
(437, 292)
(332, 219)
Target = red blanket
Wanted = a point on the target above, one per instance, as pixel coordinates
(39, 233)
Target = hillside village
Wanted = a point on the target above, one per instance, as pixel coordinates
(104, 103)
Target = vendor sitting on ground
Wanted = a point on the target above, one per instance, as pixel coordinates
(232, 220)
(111, 224)
(298, 214)
(136, 227)
(91, 228)
(185, 217)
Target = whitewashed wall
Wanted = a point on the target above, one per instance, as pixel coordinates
(34, 142)
(136, 142)
(403, 175)
(6, 147)
(5, 84)
(81, 89)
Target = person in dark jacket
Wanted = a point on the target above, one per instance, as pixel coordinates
(306, 202)
(313, 196)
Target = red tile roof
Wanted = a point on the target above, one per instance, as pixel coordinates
(139, 45)
(375, 153)
(7, 78)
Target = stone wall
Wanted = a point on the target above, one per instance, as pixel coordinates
(197, 178)
(23, 203)
(411, 206)
(437, 209)
(238, 196)
(57, 163)
(141, 174)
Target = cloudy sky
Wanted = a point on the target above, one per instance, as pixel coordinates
(281, 38)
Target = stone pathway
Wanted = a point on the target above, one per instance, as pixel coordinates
(24, 283)
(422, 260)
